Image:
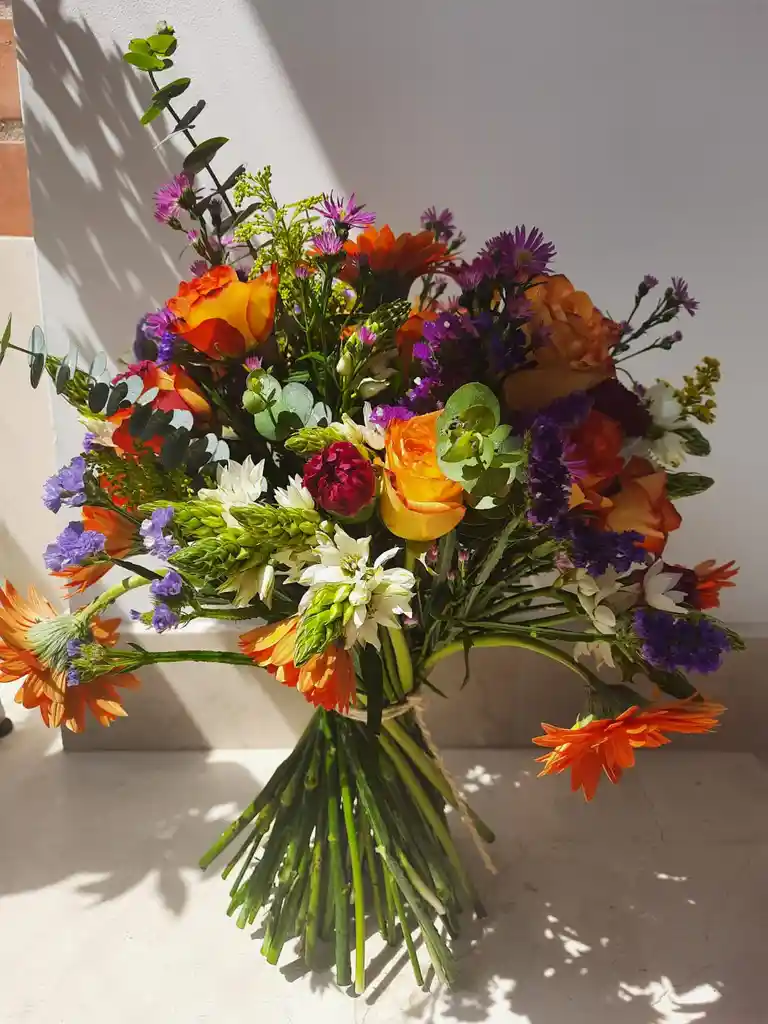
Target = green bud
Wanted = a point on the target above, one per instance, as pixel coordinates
(344, 365)
(253, 403)
(310, 440)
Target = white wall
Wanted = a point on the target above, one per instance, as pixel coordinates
(632, 133)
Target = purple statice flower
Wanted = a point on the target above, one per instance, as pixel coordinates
(680, 296)
(520, 254)
(73, 546)
(383, 415)
(164, 618)
(626, 407)
(366, 335)
(198, 267)
(169, 197)
(440, 224)
(469, 276)
(155, 540)
(596, 550)
(424, 395)
(672, 642)
(328, 242)
(72, 676)
(345, 214)
(89, 441)
(73, 650)
(169, 586)
(549, 481)
(166, 347)
(67, 487)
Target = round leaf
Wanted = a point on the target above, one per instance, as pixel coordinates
(202, 155)
(36, 368)
(174, 448)
(182, 418)
(97, 396)
(144, 61)
(148, 397)
(299, 399)
(116, 395)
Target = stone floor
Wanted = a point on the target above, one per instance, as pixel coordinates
(648, 906)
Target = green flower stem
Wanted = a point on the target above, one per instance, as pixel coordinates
(522, 598)
(228, 613)
(318, 882)
(506, 640)
(391, 679)
(394, 894)
(109, 596)
(338, 877)
(219, 657)
(431, 770)
(139, 570)
(356, 862)
(372, 865)
(403, 658)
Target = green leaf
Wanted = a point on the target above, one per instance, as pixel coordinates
(164, 42)
(139, 419)
(695, 442)
(202, 155)
(683, 485)
(163, 97)
(116, 396)
(479, 418)
(495, 553)
(62, 377)
(144, 61)
(372, 672)
(469, 395)
(187, 120)
(139, 46)
(97, 396)
(6, 338)
(174, 448)
(299, 400)
(36, 367)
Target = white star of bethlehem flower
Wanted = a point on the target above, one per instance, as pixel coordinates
(378, 595)
(668, 448)
(295, 495)
(658, 588)
(369, 433)
(237, 485)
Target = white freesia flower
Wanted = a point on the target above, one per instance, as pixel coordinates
(369, 433)
(597, 649)
(237, 485)
(601, 596)
(377, 596)
(658, 587)
(295, 495)
(668, 447)
(102, 430)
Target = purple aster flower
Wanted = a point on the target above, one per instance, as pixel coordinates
(155, 541)
(680, 296)
(687, 642)
(328, 242)
(164, 618)
(73, 546)
(67, 487)
(366, 335)
(169, 586)
(346, 215)
(441, 224)
(383, 415)
(469, 276)
(520, 254)
(170, 197)
(301, 271)
(198, 267)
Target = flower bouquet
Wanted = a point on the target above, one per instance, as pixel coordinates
(380, 454)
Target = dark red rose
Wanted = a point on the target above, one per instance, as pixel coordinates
(340, 479)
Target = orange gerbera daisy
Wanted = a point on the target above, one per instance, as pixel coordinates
(326, 680)
(120, 536)
(406, 256)
(608, 745)
(44, 686)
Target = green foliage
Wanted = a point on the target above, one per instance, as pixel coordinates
(322, 622)
(163, 97)
(280, 410)
(213, 559)
(192, 520)
(153, 53)
(202, 154)
(138, 482)
(683, 485)
(695, 442)
(474, 448)
(310, 440)
(76, 388)
(6, 338)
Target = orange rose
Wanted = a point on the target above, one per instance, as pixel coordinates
(575, 353)
(418, 502)
(222, 316)
(176, 390)
(642, 504)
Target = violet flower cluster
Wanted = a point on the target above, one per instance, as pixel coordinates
(672, 642)
(67, 487)
(156, 541)
(73, 546)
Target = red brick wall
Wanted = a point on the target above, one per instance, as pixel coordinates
(15, 211)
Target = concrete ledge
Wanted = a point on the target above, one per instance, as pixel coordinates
(200, 707)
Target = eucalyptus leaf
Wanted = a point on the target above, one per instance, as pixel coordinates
(158, 423)
(116, 396)
(174, 448)
(148, 396)
(684, 485)
(221, 453)
(299, 400)
(182, 418)
(36, 342)
(36, 367)
(144, 61)
(97, 396)
(139, 419)
(231, 181)
(62, 377)
(198, 455)
(239, 217)
(6, 338)
(187, 120)
(164, 43)
(134, 385)
(320, 416)
(98, 366)
(202, 155)
(139, 46)
(469, 395)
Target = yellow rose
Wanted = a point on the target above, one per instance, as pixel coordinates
(418, 502)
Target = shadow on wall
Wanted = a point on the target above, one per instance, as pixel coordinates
(93, 169)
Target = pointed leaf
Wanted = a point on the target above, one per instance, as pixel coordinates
(231, 181)
(202, 155)
(187, 120)
(6, 338)
(695, 442)
(683, 485)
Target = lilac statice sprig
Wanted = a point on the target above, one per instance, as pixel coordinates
(675, 298)
(67, 487)
(156, 540)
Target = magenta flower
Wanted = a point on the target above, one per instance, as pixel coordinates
(440, 224)
(328, 242)
(169, 198)
(345, 214)
(366, 335)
